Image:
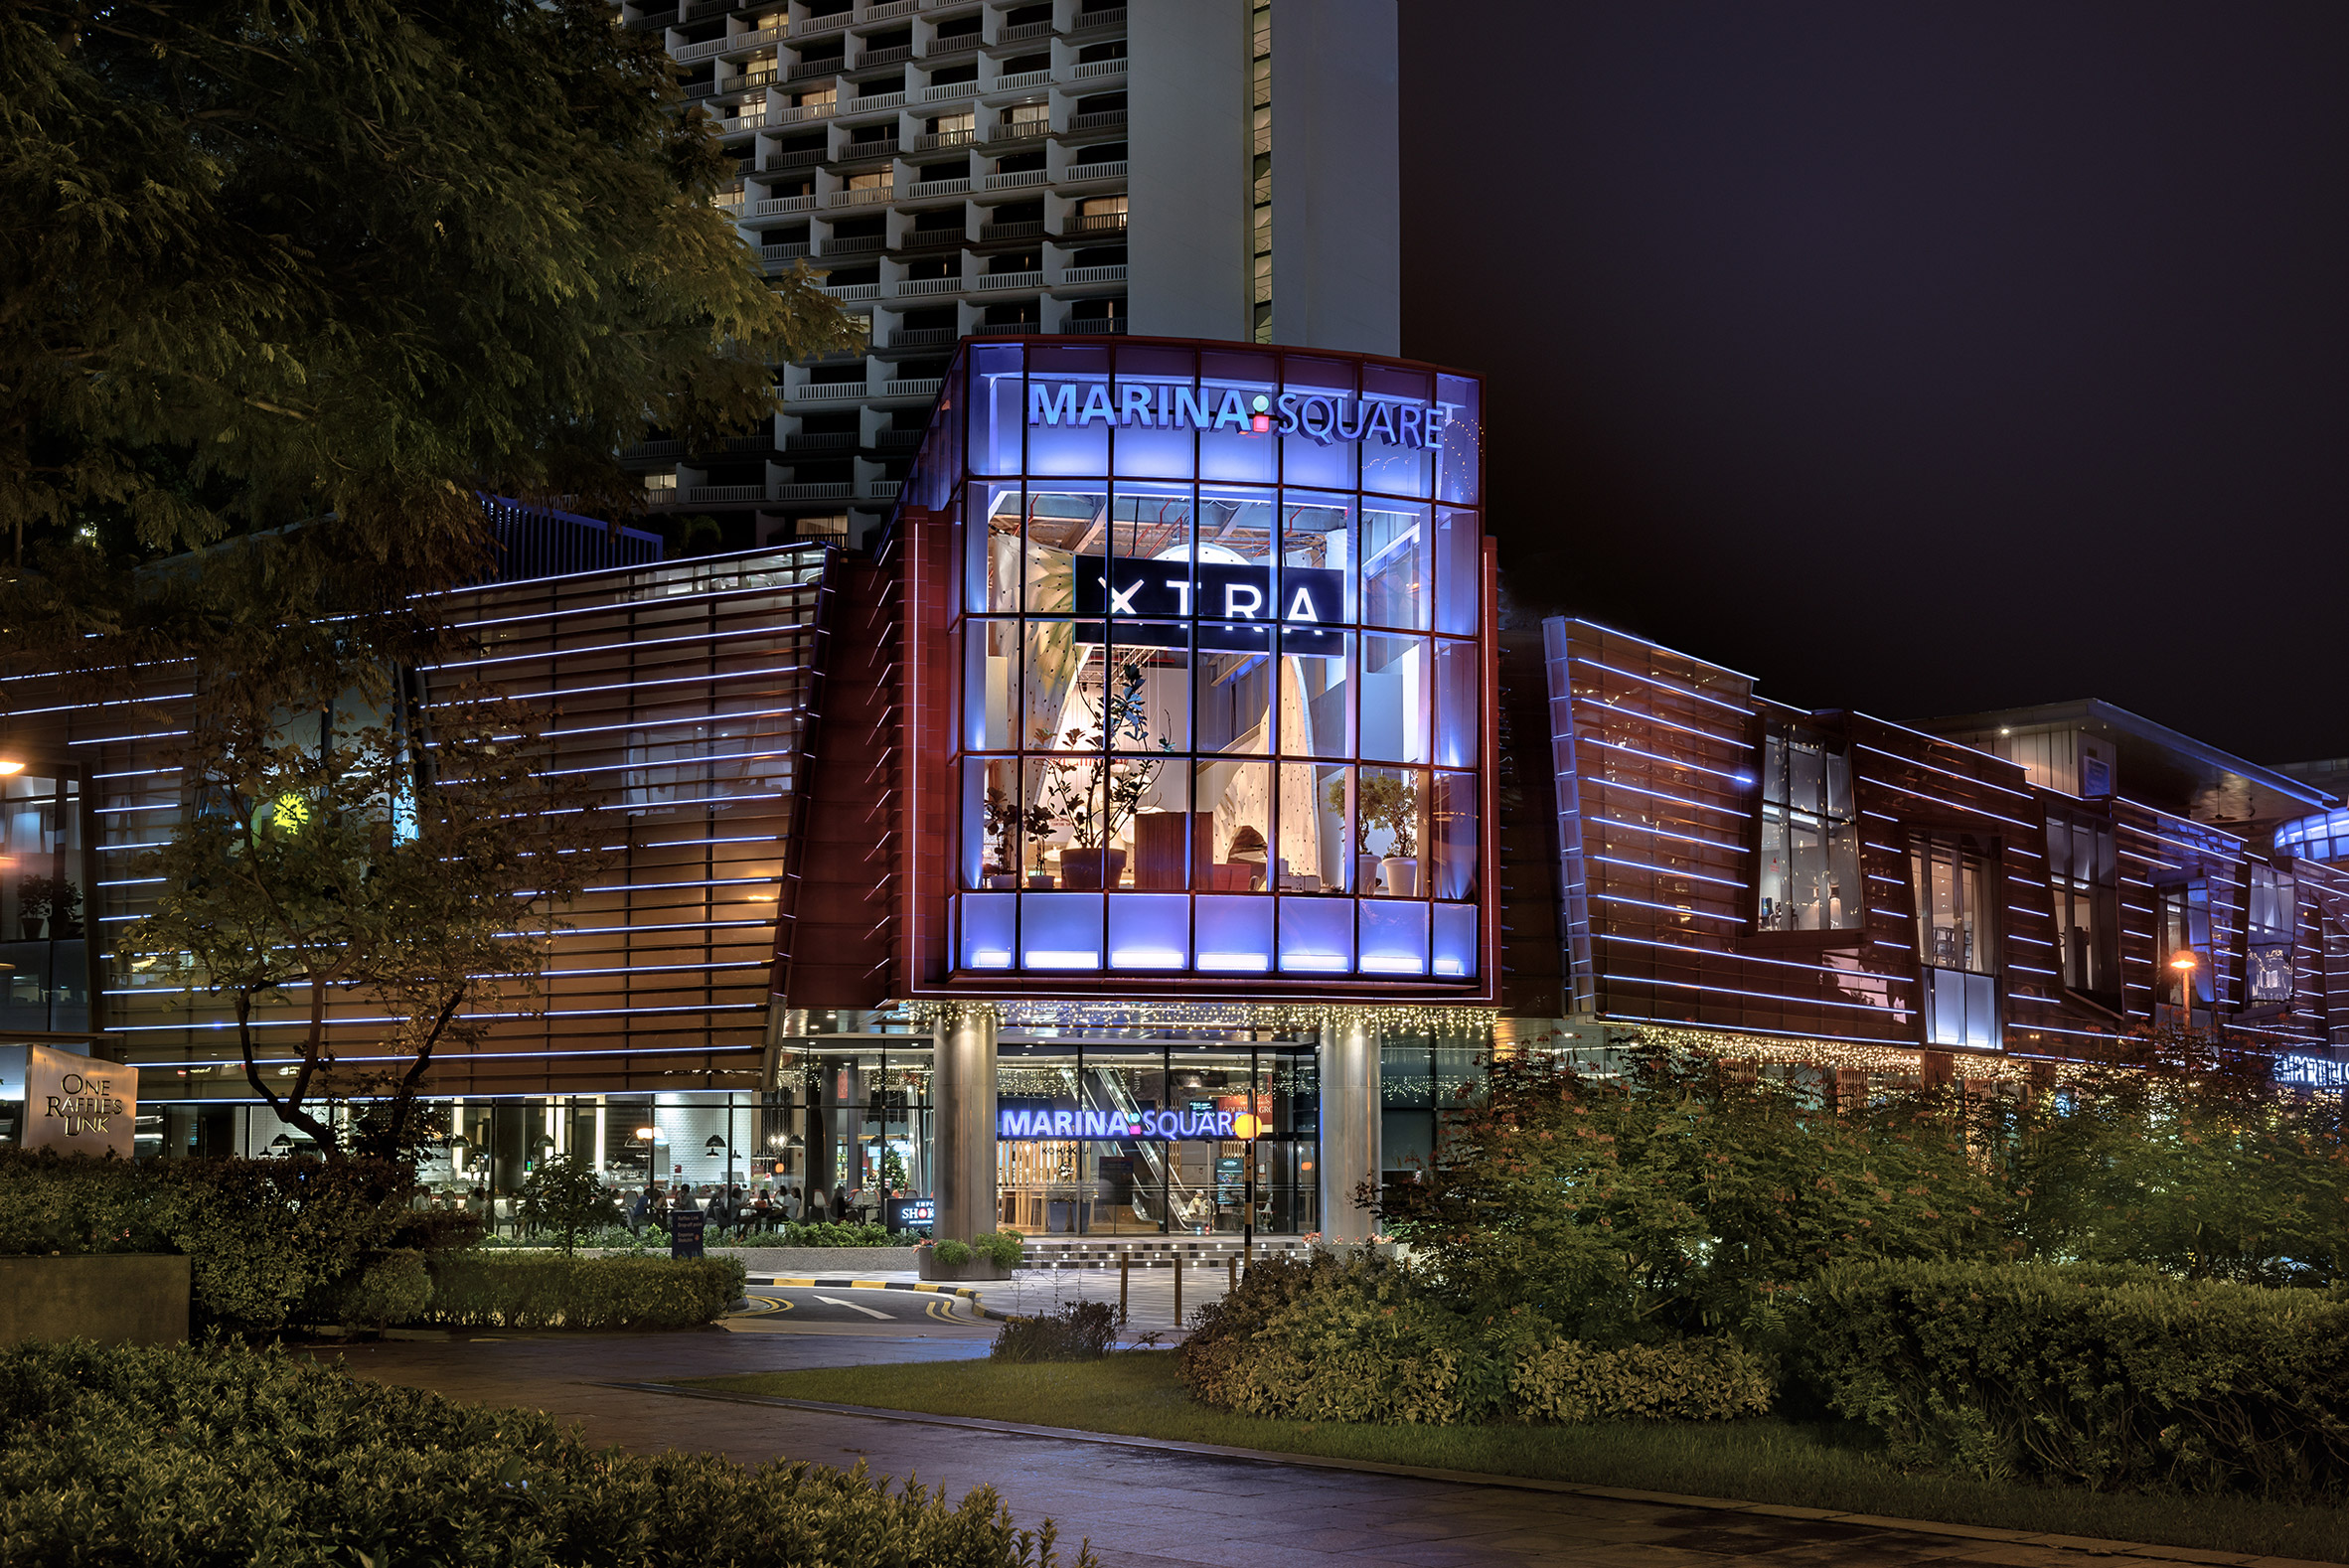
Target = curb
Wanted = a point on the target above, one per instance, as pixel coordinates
(971, 1297)
(2139, 1551)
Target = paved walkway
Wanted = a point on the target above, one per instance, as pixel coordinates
(1145, 1508)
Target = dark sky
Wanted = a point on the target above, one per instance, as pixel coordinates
(1917, 358)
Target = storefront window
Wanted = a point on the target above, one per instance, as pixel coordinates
(2083, 875)
(1810, 870)
(1956, 943)
(1065, 1165)
(44, 914)
(2274, 914)
(1182, 678)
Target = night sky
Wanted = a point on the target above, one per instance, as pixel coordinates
(1916, 359)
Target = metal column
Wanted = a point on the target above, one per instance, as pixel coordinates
(1349, 1126)
(964, 1151)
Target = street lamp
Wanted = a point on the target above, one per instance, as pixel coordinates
(2186, 963)
(1245, 1126)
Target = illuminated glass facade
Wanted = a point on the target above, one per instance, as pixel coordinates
(1218, 635)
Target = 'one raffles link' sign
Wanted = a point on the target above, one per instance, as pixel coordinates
(1318, 416)
(77, 1103)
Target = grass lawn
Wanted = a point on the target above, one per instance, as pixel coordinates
(1764, 1461)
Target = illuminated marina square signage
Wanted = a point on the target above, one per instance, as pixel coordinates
(1098, 1126)
(1321, 416)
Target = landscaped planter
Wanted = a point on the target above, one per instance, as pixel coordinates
(978, 1268)
(119, 1298)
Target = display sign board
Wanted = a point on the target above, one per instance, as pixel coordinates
(685, 1232)
(1098, 1125)
(912, 1213)
(78, 1104)
(1237, 602)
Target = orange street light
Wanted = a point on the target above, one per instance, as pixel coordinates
(2186, 963)
(10, 767)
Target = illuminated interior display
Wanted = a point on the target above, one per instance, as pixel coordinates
(1222, 691)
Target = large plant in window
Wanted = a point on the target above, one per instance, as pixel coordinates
(1097, 792)
(1808, 876)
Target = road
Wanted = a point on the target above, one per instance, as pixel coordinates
(1141, 1507)
(795, 1305)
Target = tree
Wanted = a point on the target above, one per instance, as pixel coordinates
(336, 850)
(344, 263)
(565, 1193)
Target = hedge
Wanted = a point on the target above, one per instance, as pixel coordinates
(218, 1457)
(1364, 1339)
(265, 1237)
(2109, 1377)
(508, 1290)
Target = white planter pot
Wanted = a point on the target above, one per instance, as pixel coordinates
(1402, 876)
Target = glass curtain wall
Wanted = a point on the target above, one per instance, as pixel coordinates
(1119, 1185)
(1221, 688)
(45, 955)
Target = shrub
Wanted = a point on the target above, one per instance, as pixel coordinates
(827, 1233)
(1078, 1332)
(180, 1456)
(509, 1290)
(566, 1197)
(262, 1236)
(390, 1288)
(1364, 1339)
(2110, 1376)
(999, 1247)
(954, 1254)
(1682, 1380)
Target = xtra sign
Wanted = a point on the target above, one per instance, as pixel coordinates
(1237, 605)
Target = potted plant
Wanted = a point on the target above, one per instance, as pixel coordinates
(39, 899)
(1389, 801)
(1098, 794)
(1007, 822)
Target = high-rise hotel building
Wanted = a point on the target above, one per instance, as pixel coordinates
(1067, 167)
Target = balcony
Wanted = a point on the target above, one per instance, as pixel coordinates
(864, 196)
(848, 293)
(914, 287)
(821, 442)
(921, 189)
(885, 11)
(1095, 69)
(747, 120)
(856, 151)
(1020, 179)
(1024, 31)
(933, 240)
(706, 495)
(645, 449)
(751, 443)
(1094, 224)
(790, 252)
(799, 115)
(1086, 21)
(1094, 275)
(1099, 119)
(731, 202)
(817, 26)
(885, 488)
(875, 58)
(1023, 130)
(926, 387)
(828, 65)
(873, 103)
(703, 50)
(828, 392)
(899, 440)
(1023, 81)
(834, 490)
(930, 141)
(921, 336)
(989, 282)
(1087, 173)
(797, 158)
(853, 244)
(774, 206)
(1076, 326)
(948, 48)
(948, 91)
(1032, 228)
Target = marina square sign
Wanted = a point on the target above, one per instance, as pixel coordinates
(1117, 1126)
(1318, 416)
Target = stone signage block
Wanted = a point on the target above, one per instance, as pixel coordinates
(78, 1105)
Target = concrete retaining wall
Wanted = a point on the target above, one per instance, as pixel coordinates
(134, 1298)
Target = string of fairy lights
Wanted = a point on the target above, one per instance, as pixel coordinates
(1390, 1018)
